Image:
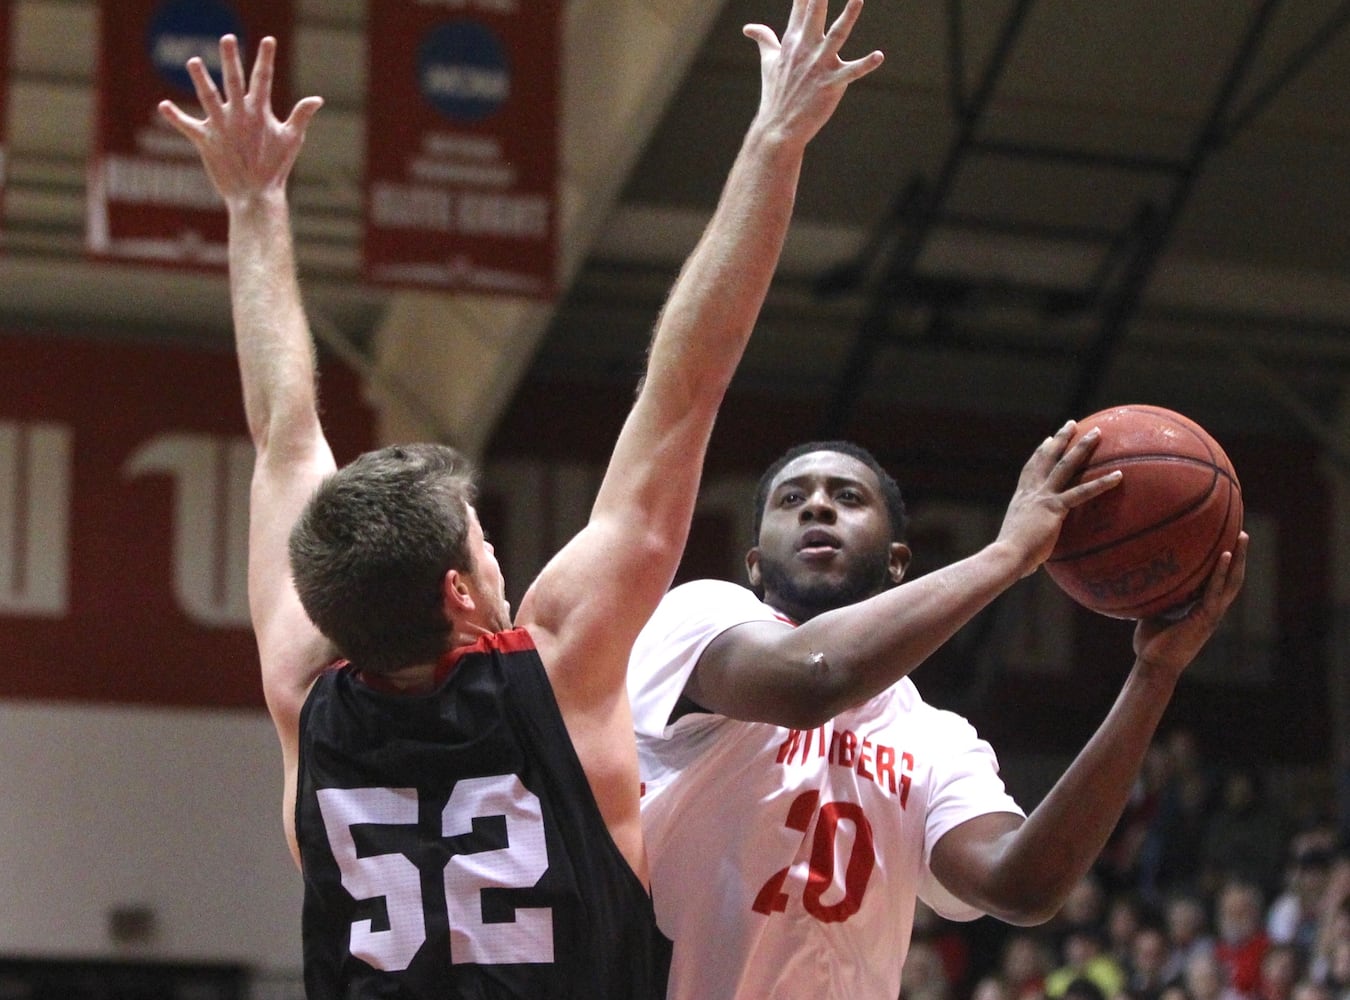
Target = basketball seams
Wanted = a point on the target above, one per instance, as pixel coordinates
(1187, 584)
(1167, 521)
(1164, 556)
(1125, 460)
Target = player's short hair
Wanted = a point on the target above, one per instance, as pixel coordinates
(370, 552)
(890, 490)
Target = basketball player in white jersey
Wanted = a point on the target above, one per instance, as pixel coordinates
(800, 794)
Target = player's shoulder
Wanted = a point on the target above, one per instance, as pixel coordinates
(709, 598)
(697, 610)
(936, 723)
(707, 590)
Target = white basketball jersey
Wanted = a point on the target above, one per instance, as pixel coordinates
(786, 863)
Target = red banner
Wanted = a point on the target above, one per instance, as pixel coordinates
(149, 198)
(5, 62)
(124, 477)
(462, 146)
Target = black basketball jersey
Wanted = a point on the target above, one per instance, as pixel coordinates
(452, 848)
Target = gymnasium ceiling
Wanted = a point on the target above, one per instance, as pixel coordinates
(1032, 208)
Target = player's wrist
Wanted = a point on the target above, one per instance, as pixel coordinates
(1157, 674)
(1010, 561)
(771, 137)
(258, 204)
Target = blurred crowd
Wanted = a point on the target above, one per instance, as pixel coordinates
(1207, 890)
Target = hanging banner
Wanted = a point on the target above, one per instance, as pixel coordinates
(462, 145)
(5, 60)
(149, 198)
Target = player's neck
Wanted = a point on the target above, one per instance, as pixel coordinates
(417, 679)
(465, 632)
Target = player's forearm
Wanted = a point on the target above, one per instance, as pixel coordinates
(869, 646)
(275, 351)
(703, 331)
(716, 300)
(1063, 836)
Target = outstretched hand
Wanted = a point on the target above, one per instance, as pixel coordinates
(1170, 643)
(245, 149)
(802, 77)
(1047, 491)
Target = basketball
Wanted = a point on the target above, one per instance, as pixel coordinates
(1148, 546)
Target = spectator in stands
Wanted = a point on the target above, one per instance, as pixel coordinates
(1084, 989)
(1296, 914)
(924, 976)
(1024, 964)
(1338, 974)
(1170, 856)
(1119, 863)
(1310, 989)
(1175, 990)
(1145, 975)
(1334, 924)
(1281, 969)
(1125, 914)
(1084, 955)
(1186, 919)
(947, 937)
(991, 987)
(1086, 905)
(1242, 941)
(1206, 979)
(1245, 838)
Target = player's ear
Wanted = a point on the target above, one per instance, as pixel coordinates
(752, 568)
(456, 596)
(898, 561)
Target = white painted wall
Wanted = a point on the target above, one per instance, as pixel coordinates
(175, 810)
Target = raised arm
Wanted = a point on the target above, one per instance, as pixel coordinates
(628, 553)
(802, 677)
(1022, 872)
(248, 154)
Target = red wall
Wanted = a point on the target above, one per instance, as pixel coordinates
(125, 636)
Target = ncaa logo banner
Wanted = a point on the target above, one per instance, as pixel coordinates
(462, 145)
(5, 20)
(149, 198)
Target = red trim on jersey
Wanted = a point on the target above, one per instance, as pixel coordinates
(511, 641)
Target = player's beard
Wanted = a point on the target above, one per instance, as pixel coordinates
(802, 598)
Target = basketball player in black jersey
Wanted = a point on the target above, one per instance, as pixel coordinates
(462, 795)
